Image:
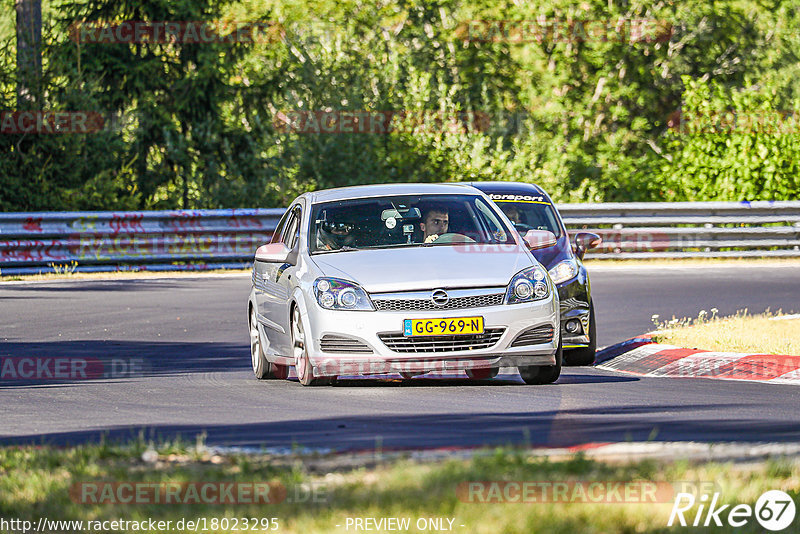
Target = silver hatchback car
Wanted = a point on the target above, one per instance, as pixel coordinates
(401, 278)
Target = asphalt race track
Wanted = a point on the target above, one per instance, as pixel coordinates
(179, 350)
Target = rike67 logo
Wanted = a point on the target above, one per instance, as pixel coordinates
(774, 510)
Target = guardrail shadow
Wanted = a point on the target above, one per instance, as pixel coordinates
(551, 428)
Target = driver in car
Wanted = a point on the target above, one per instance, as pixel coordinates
(434, 223)
(512, 213)
(335, 235)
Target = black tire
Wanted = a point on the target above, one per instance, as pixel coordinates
(585, 355)
(543, 374)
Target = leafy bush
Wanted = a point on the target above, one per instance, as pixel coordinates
(197, 125)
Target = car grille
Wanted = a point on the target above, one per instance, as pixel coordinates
(330, 343)
(455, 303)
(534, 336)
(400, 343)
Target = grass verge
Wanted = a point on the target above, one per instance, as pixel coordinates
(41, 482)
(766, 333)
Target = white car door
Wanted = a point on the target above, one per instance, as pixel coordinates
(273, 282)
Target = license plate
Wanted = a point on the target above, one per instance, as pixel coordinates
(443, 327)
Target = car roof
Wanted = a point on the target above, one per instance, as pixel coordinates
(520, 188)
(382, 190)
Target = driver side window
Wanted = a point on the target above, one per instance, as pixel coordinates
(278, 233)
(291, 233)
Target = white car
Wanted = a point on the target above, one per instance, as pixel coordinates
(401, 278)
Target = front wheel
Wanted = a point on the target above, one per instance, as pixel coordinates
(584, 355)
(543, 374)
(302, 366)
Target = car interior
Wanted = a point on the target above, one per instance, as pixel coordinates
(533, 217)
(386, 222)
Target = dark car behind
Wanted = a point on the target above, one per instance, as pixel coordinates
(530, 208)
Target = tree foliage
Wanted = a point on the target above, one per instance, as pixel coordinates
(197, 125)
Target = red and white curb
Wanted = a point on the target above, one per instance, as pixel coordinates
(641, 356)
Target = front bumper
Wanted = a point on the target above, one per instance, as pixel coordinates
(364, 352)
(574, 304)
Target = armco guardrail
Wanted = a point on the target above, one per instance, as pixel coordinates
(211, 239)
(689, 229)
(151, 240)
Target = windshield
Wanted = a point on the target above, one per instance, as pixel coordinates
(532, 213)
(402, 221)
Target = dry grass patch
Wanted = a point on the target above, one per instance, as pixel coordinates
(767, 333)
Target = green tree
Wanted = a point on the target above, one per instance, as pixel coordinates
(732, 144)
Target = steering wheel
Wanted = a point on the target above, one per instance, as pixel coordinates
(522, 228)
(453, 237)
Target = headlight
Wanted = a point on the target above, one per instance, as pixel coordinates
(528, 285)
(563, 271)
(335, 294)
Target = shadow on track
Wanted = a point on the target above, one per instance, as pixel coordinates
(575, 427)
(33, 363)
(454, 380)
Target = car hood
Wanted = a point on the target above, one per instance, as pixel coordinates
(422, 268)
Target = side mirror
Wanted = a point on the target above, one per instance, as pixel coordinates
(273, 253)
(585, 241)
(536, 239)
